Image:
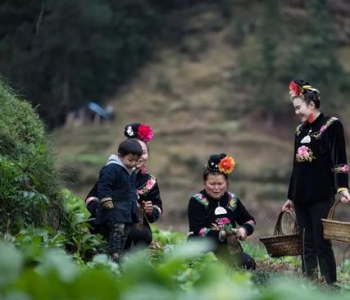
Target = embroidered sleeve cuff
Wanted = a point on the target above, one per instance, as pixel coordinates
(342, 189)
(87, 200)
(341, 169)
(155, 214)
(105, 199)
(249, 226)
(155, 207)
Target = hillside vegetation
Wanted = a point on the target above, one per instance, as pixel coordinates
(29, 189)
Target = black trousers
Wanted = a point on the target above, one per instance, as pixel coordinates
(118, 233)
(139, 236)
(316, 251)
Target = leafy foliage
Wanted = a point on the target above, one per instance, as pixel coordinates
(28, 187)
(35, 265)
(183, 273)
(78, 240)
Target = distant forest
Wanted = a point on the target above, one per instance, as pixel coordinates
(60, 55)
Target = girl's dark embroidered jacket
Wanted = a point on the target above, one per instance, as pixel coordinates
(148, 190)
(204, 222)
(116, 183)
(320, 162)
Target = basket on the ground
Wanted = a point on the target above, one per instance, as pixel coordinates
(335, 230)
(281, 244)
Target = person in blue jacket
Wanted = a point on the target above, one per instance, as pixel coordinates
(147, 189)
(117, 208)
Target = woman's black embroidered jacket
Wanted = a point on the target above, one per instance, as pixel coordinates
(320, 162)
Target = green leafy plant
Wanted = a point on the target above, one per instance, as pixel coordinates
(29, 193)
(21, 202)
(185, 272)
(78, 239)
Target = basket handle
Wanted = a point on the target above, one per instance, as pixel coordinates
(332, 210)
(278, 227)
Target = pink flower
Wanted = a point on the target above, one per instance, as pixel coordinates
(304, 154)
(202, 231)
(303, 150)
(144, 133)
(223, 221)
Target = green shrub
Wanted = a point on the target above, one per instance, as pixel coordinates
(29, 190)
(183, 273)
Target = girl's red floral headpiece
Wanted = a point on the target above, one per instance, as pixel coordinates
(296, 90)
(142, 132)
(221, 163)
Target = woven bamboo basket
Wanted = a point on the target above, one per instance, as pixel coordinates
(281, 244)
(335, 230)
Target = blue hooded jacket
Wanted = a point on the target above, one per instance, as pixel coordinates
(116, 183)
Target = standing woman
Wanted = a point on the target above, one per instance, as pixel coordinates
(214, 213)
(147, 189)
(320, 170)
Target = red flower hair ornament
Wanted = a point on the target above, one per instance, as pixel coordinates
(296, 90)
(226, 165)
(221, 163)
(145, 133)
(142, 132)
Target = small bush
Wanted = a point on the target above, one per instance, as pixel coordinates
(29, 190)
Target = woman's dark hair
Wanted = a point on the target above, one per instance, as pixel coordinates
(213, 166)
(310, 94)
(207, 172)
(130, 146)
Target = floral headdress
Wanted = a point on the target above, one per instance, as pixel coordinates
(221, 163)
(299, 87)
(296, 90)
(142, 132)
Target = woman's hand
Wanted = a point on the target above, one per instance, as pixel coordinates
(222, 235)
(242, 233)
(148, 207)
(288, 207)
(345, 197)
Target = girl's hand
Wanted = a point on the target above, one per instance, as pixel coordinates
(345, 197)
(288, 207)
(242, 233)
(148, 207)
